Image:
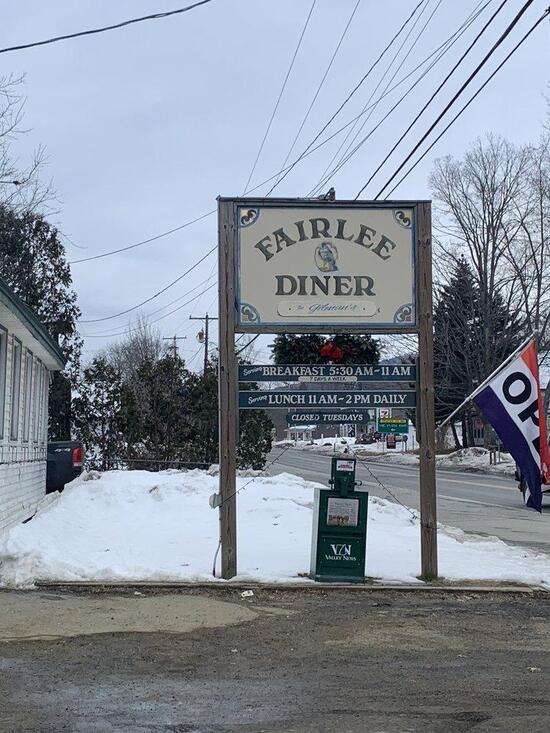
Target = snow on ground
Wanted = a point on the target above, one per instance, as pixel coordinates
(136, 525)
(465, 459)
(477, 459)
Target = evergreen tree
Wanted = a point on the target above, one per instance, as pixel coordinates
(33, 262)
(201, 417)
(201, 414)
(255, 439)
(170, 415)
(98, 415)
(357, 348)
(289, 348)
(455, 334)
(460, 361)
(307, 349)
(154, 406)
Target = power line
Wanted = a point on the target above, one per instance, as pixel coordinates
(148, 300)
(531, 30)
(468, 103)
(194, 308)
(153, 16)
(334, 54)
(105, 335)
(180, 297)
(434, 95)
(156, 320)
(254, 188)
(207, 214)
(470, 78)
(272, 177)
(144, 241)
(188, 362)
(247, 344)
(276, 107)
(204, 215)
(456, 35)
(350, 95)
(442, 50)
(391, 63)
(158, 310)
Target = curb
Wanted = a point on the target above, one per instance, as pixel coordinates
(125, 586)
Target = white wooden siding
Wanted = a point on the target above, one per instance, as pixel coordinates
(23, 463)
(22, 486)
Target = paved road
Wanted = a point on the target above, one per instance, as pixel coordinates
(475, 502)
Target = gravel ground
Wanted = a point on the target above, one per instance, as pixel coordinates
(287, 661)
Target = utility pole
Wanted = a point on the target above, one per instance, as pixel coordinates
(174, 339)
(202, 335)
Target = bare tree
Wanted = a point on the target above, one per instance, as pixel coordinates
(478, 199)
(528, 251)
(142, 344)
(20, 187)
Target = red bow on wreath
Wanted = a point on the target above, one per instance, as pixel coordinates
(331, 352)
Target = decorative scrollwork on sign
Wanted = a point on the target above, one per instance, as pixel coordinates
(248, 216)
(404, 314)
(403, 218)
(249, 314)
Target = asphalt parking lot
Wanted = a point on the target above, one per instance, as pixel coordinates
(292, 661)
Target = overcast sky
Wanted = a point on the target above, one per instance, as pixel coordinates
(145, 126)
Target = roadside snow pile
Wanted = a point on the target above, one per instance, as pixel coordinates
(135, 525)
(465, 459)
(476, 459)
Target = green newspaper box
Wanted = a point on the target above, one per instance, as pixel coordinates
(339, 536)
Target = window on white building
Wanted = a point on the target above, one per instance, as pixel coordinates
(37, 399)
(44, 406)
(15, 388)
(3, 371)
(27, 395)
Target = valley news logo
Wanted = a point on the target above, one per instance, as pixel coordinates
(340, 552)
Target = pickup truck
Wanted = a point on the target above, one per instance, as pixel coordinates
(65, 462)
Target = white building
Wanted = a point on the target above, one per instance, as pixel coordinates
(28, 355)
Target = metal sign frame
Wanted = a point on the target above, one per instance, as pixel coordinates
(228, 372)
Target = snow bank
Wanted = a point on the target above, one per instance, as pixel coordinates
(136, 525)
(476, 459)
(465, 459)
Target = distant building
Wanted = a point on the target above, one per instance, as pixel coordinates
(28, 355)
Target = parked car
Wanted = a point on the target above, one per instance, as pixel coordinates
(366, 439)
(65, 462)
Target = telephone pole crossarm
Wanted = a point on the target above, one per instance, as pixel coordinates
(174, 339)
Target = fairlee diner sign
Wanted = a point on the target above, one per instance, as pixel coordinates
(325, 264)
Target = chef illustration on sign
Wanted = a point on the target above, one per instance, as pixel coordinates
(325, 257)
